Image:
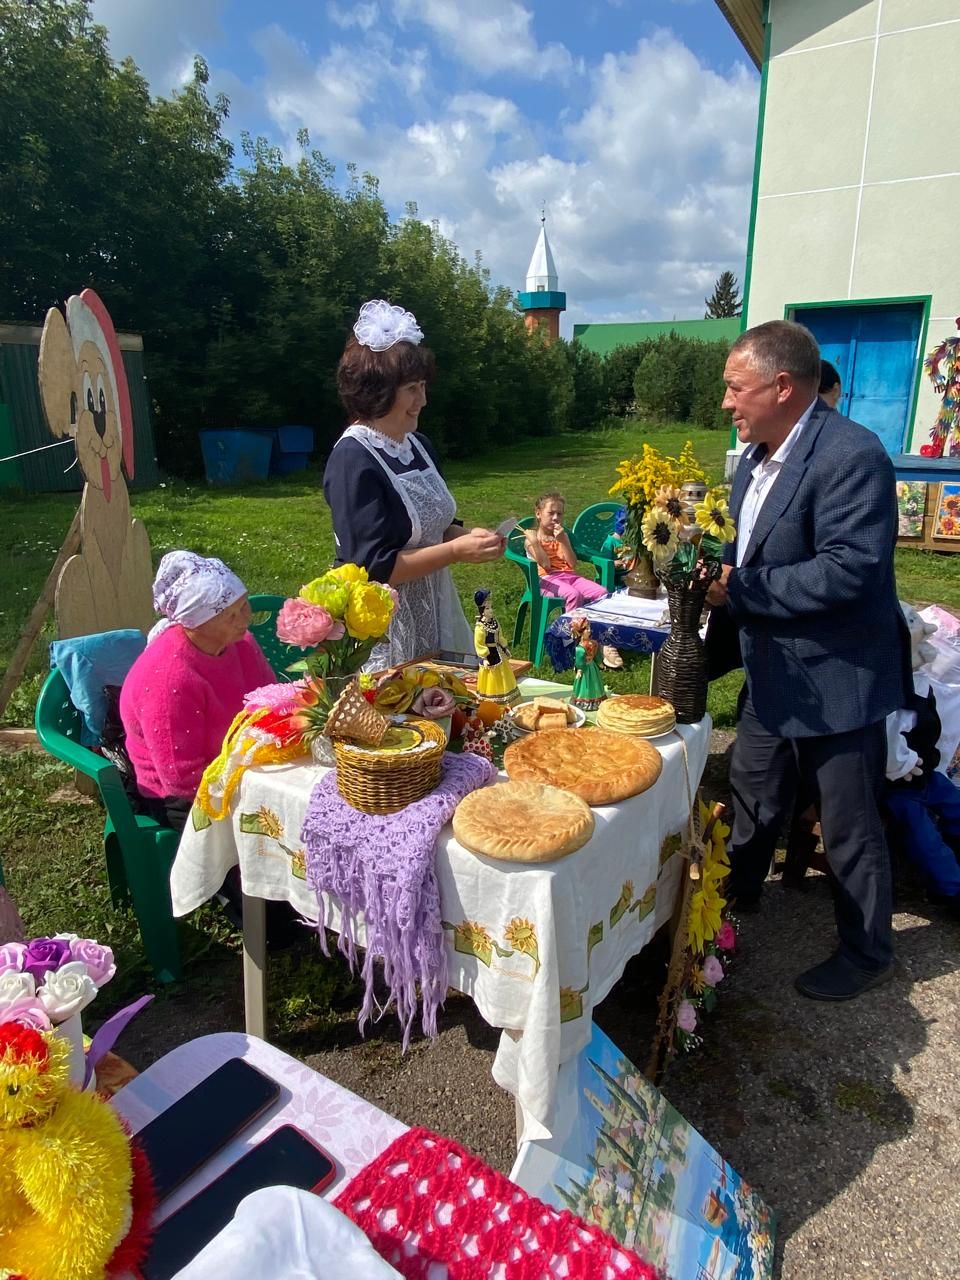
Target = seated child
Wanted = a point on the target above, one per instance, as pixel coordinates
(548, 544)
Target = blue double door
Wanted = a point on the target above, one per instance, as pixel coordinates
(875, 349)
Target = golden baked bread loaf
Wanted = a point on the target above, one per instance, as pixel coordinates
(522, 822)
(637, 713)
(597, 766)
(533, 715)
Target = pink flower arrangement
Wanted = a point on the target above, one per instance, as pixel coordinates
(47, 980)
(434, 703)
(712, 971)
(687, 1017)
(726, 938)
(306, 625)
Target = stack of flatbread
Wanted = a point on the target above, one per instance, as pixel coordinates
(637, 713)
(543, 713)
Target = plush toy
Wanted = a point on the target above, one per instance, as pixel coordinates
(75, 1193)
(922, 803)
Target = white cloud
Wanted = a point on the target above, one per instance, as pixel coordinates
(161, 38)
(490, 36)
(363, 16)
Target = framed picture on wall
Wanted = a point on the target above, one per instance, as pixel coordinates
(947, 521)
(911, 499)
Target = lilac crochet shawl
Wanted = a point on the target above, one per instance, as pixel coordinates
(381, 870)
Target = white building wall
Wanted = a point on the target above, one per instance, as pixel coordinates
(859, 189)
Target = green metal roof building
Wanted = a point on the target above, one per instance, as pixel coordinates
(603, 338)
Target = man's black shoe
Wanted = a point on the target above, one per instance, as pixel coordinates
(837, 979)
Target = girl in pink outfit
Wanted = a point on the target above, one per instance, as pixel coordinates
(548, 544)
(184, 690)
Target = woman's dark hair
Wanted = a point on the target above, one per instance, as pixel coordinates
(367, 380)
(829, 376)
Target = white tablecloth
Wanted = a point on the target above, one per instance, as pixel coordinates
(350, 1130)
(535, 947)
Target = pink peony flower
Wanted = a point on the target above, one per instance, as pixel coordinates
(712, 971)
(687, 1017)
(12, 955)
(28, 1012)
(726, 938)
(306, 625)
(98, 959)
(434, 703)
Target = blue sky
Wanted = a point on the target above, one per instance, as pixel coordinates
(631, 121)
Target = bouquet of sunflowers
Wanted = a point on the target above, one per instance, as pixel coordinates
(650, 480)
(687, 554)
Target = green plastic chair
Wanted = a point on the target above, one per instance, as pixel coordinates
(264, 627)
(540, 607)
(590, 531)
(139, 850)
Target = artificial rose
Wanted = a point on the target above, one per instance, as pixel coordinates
(28, 1012)
(306, 625)
(394, 696)
(44, 954)
(712, 971)
(687, 1017)
(15, 986)
(369, 611)
(327, 592)
(12, 955)
(434, 704)
(67, 991)
(350, 574)
(726, 938)
(98, 959)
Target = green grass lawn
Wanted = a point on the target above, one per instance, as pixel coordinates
(277, 535)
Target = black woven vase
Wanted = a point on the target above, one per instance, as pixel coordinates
(680, 672)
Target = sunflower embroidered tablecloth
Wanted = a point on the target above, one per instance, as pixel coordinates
(535, 947)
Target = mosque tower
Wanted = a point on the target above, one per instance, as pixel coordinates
(542, 301)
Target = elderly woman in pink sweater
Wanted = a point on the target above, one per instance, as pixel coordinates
(184, 690)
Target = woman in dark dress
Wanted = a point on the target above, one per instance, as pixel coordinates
(392, 512)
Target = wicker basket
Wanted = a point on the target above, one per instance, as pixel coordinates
(375, 783)
(353, 717)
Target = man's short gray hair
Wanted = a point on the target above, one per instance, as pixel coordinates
(781, 346)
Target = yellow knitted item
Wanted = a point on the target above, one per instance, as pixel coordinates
(65, 1168)
(245, 747)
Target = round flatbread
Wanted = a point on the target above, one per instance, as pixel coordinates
(522, 822)
(637, 713)
(597, 766)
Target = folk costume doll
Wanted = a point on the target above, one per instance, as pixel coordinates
(588, 690)
(495, 679)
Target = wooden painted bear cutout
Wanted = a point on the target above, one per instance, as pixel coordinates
(83, 386)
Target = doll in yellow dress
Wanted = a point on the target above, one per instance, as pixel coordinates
(495, 679)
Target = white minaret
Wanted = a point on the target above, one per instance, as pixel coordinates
(542, 301)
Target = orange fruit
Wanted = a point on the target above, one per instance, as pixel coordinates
(489, 713)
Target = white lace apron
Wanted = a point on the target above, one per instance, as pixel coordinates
(429, 615)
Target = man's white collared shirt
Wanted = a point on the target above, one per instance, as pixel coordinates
(762, 481)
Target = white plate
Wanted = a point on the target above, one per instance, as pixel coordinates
(580, 718)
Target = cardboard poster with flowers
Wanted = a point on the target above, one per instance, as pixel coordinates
(947, 522)
(911, 500)
(621, 1157)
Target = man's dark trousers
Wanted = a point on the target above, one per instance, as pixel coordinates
(845, 771)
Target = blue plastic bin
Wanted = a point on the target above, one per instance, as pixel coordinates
(234, 457)
(292, 450)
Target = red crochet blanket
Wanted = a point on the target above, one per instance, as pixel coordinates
(427, 1204)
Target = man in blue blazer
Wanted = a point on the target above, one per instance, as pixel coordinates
(810, 592)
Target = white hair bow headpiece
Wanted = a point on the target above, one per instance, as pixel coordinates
(380, 326)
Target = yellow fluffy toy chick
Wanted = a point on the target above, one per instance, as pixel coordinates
(75, 1196)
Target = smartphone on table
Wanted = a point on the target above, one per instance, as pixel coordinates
(195, 1127)
(468, 661)
(287, 1158)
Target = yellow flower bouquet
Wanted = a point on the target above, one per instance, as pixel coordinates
(650, 482)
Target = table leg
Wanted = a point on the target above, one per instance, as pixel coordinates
(254, 966)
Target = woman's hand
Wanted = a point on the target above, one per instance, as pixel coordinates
(478, 546)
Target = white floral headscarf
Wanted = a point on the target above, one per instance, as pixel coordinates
(190, 590)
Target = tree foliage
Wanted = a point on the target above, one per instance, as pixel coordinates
(243, 278)
(725, 301)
